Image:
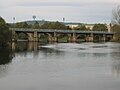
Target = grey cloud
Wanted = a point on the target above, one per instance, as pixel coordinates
(49, 4)
(60, 4)
(1, 7)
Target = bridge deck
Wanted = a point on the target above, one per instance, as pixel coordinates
(59, 31)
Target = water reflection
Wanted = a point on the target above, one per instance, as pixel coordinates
(116, 67)
(5, 56)
(95, 51)
(32, 46)
(25, 46)
(116, 61)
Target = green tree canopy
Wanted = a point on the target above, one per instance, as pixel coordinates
(81, 27)
(36, 25)
(100, 27)
(116, 23)
(2, 21)
(116, 15)
(5, 33)
(22, 25)
(116, 28)
(54, 25)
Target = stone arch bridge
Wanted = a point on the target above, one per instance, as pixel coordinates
(72, 35)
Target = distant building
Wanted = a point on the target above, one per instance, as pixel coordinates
(109, 27)
(73, 25)
(90, 26)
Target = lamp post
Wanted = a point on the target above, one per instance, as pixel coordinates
(63, 19)
(14, 22)
(34, 17)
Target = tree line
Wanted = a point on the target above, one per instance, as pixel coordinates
(96, 27)
(59, 25)
(46, 25)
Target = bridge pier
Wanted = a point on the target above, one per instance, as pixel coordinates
(13, 36)
(35, 36)
(69, 38)
(74, 37)
(30, 37)
(89, 38)
(49, 37)
(103, 38)
(55, 39)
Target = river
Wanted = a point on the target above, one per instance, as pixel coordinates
(60, 66)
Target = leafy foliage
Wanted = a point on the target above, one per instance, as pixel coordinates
(54, 25)
(36, 25)
(116, 29)
(116, 16)
(5, 33)
(22, 25)
(100, 27)
(116, 23)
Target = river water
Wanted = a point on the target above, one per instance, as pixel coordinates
(60, 66)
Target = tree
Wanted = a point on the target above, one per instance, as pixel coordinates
(116, 23)
(22, 25)
(116, 16)
(5, 33)
(36, 25)
(100, 27)
(54, 25)
(116, 29)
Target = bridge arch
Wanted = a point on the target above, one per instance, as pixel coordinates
(97, 38)
(21, 36)
(43, 37)
(81, 38)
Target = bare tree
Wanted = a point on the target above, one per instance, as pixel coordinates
(116, 23)
(116, 16)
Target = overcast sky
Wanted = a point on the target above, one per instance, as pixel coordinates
(86, 11)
